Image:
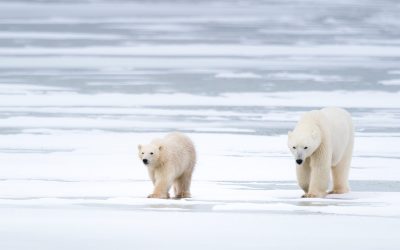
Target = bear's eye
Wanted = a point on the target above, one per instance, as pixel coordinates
(142, 153)
(294, 147)
(305, 147)
(151, 153)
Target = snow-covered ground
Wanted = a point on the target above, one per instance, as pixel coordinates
(82, 83)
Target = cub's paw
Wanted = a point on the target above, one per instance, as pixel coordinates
(158, 196)
(311, 195)
(182, 196)
(308, 196)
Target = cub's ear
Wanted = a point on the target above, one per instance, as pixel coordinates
(160, 147)
(139, 147)
(289, 133)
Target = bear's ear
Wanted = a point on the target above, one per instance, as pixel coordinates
(139, 147)
(160, 147)
(289, 133)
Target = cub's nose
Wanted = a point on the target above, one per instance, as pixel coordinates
(145, 161)
(298, 161)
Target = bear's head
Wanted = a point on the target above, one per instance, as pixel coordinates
(150, 154)
(303, 141)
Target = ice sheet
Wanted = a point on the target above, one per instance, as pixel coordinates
(84, 82)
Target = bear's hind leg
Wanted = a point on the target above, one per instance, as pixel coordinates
(182, 185)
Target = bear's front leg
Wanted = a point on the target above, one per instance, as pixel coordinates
(152, 175)
(160, 191)
(161, 188)
(319, 181)
(303, 176)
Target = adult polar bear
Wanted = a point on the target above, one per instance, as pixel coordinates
(323, 141)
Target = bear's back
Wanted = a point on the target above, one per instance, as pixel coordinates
(341, 130)
(339, 120)
(179, 147)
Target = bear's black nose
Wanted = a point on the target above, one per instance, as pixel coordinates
(145, 161)
(299, 161)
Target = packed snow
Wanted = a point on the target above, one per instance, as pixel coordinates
(84, 82)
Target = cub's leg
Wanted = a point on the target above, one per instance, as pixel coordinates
(182, 185)
(162, 185)
(152, 176)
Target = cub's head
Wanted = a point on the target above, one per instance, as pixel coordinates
(149, 154)
(303, 142)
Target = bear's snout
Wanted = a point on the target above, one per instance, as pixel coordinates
(299, 161)
(145, 161)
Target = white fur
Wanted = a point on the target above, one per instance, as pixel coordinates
(170, 161)
(323, 141)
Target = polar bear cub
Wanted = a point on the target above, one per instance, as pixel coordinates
(321, 143)
(170, 161)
